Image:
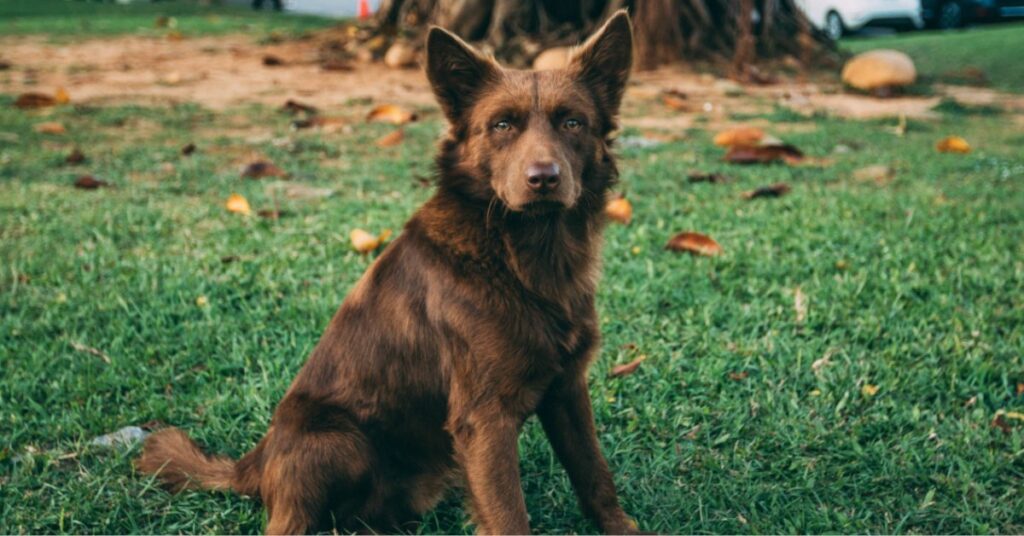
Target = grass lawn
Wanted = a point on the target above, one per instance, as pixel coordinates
(944, 56)
(63, 20)
(741, 420)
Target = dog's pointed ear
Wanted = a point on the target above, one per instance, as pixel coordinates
(604, 61)
(457, 73)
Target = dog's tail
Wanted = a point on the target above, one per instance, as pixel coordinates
(180, 464)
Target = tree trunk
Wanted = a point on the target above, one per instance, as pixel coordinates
(735, 32)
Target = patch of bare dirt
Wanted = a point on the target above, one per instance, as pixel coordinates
(225, 71)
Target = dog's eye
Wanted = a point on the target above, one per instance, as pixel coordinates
(503, 126)
(572, 124)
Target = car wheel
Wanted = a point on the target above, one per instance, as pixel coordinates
(834, 27)
(951, 15)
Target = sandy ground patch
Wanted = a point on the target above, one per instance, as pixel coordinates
(225, 71)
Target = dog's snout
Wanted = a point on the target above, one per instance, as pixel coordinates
(542, 176)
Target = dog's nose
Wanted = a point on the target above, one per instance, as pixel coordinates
(542, 176)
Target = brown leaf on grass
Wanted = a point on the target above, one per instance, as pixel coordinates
(675, 99)
(327, 124)
(364, 242)
(999, 421)
(75, 157)
(188, 149)
(90, 350)
(953, 144)
(271, 60)
(739, 376)
(1020, 388)
(764, 154)
(88, 182)
(868, 390)
(34, 99)
(228, 259)
(799, 305)
(295, 107)
(880, 174)
(61, 96)
(238, 204)
(390, 139)
(626, 369)
(778, 189)
(299, 191)
(273, 214)
(50, 127)
(695, 244)
(713, 178)
(262, 169)
(619, 210)
(739, 137)
(390, 113)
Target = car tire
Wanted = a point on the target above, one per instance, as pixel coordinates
(834, 26)
(950, 16)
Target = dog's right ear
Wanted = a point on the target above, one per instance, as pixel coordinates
(457, 73)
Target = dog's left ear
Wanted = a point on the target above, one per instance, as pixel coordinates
(603, 62)
(456, 71)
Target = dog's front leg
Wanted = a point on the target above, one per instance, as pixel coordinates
(568, 421)
(486, 444)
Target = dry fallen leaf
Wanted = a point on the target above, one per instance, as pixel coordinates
(763, 154)
(778, 189)
(34, 99)
(389, 113)
(271, 60)
(953, 144)
(694, 243)
(273, 214)
(739, 137)
(880, 174)
(713, 178)
(364, 242)
(88, 182)
(869, 390)
(800, 305)
(61, 96)
(619, 210)
(238, 204)
(675, 99)
(391, 139)
(619, 371)
(299, 191)
(328, 124)
(262, 169)
(75, 157)
(294, 107)
(739, 376)
(999, 421)
(50, 127)
(188, 149)
(1020, 388)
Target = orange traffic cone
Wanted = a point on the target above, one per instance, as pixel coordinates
(364, 9)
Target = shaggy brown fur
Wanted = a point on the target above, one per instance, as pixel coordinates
(479, 315)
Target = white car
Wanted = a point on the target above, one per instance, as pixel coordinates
(836, 17)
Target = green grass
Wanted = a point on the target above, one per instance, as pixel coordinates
(63, 20)
(916, 287)
(944, 56)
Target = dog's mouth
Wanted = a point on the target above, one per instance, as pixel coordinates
(541, 207)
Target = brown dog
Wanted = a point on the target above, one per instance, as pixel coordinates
(480, 314)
